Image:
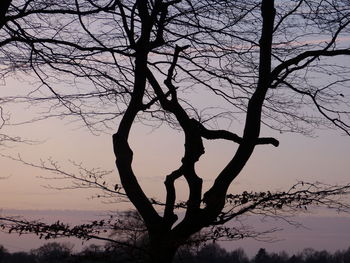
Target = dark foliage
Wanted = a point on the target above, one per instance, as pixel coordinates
(209, 253)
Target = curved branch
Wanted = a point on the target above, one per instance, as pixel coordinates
(169, 216)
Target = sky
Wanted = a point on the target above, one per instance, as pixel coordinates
(324, 157)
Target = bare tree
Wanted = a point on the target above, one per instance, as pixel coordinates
(261, 62)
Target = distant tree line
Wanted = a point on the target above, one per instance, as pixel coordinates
(63, 253)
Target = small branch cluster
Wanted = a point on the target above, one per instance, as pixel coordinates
(298, 198)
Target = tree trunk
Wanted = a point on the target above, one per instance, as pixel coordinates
(161, 255)
(161, 250)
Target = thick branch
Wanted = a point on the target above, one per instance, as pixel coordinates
(193, 144)
(122, 150)
(307, 54)
(267, 140)
(214, 198)
(169, 216)
(227, 135)
(4, 6)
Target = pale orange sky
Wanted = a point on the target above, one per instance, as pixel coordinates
(157, 153)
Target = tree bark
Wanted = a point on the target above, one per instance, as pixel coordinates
(161, 252)
(4, 6)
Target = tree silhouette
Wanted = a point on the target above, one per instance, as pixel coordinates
(295, 259)
(212, 253)
(19, 257)
(208, 253)
(258, 61)
(3, 253)
(262, 256)
(52, 252)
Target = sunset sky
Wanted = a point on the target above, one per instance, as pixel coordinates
(157, 152)
(323, 157)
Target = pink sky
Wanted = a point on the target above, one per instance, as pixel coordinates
(157, 152)
(318, 232)
(324, 159)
